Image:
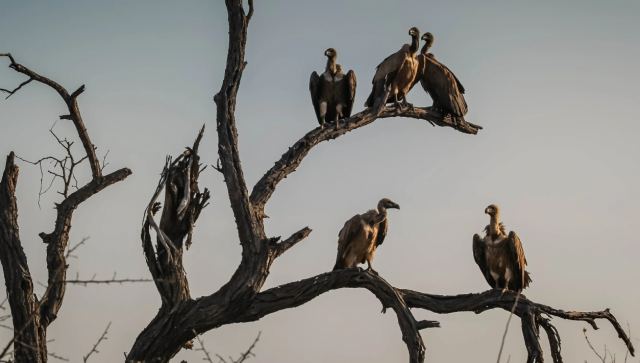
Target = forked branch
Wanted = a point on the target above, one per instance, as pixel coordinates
(32, 316)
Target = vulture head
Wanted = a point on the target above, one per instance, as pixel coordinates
(414, 32)
(330, 53)
(492, 210)
(428, 40)
(386, 203)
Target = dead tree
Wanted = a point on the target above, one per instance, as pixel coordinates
(32, 315)
(181, 317)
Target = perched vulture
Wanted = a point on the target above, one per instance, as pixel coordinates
(396, 74)
(500, 256)
(440, 83)
(332, 93)
(361, 235)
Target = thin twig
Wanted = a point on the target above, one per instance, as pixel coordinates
(506, 328)
(602, 359)
(112, 280)
(75, 247)
(207, 356)
(94, 349)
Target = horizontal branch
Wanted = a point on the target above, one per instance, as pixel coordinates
(291, 159)
(300, 292)
(297, 293)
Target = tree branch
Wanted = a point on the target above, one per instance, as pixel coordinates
(94, 349)
(292, 159)
(282, 247)
(17, 277)
(300, 292)
(72, 104)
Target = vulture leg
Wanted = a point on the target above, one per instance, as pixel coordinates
(339, 114)
(369, 267)
(323, 113)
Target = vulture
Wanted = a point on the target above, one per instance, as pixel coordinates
(396, 74)
(500, 256)
(440, 83)
(332, 92)
(361, 235)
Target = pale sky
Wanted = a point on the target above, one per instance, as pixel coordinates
(553, 83)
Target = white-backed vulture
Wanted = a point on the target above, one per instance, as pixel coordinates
(333, 92)
(396, 74)
(361, 235)
(500, 256)
(440, 83)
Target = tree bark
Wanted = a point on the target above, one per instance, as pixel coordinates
(241, 299)
(32, 316)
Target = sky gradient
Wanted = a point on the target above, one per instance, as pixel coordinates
(553, 83)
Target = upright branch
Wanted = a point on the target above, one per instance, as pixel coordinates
(32, 316)
(183, 203)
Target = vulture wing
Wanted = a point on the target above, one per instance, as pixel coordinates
(349, 231)
(458, 83)
(391, 64)
(480, 257)
(350, 91)
(421, 69)
(519, 262)
(315, 90)
(443, 86)
(382, 232)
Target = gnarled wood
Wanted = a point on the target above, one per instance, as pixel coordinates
(241, 299)
(292, 159)
(32, 316)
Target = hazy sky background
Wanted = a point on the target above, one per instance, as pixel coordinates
(553, 83)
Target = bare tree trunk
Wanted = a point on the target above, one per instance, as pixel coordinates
(32, 316)
(242, 299)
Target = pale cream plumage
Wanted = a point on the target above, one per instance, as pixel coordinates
(361, 235)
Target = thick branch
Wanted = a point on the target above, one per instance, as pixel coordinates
(253, 269)
(291, 159)
(183, 204)
(16, 273)
(58, 239)
(297, 293)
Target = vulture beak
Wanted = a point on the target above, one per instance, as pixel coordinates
(394, 205)
(486, 210)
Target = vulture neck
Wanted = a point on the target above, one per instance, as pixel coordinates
(415, 43)
(382, 213)
(494, 226)
(425, 49)
(331, 65)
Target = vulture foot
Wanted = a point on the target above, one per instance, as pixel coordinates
(371, 270)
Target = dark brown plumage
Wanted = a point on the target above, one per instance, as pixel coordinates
(361, 235)
(440, 83)
(500, 256)
(395, 74)
(332, 92)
